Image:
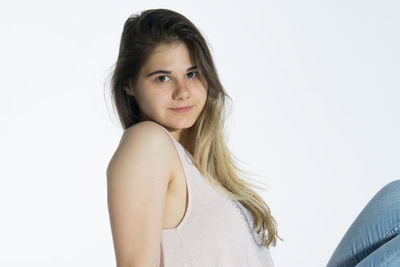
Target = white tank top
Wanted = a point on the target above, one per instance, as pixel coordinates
(215, 230)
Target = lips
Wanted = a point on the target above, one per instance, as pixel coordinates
(182, 109)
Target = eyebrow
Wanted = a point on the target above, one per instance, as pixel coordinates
(168, 72)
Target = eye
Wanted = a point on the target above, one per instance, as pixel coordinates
(194, 72)
(162, 76)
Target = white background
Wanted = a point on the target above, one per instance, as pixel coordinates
(315, 89)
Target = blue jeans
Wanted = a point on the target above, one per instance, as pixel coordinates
(373, 239)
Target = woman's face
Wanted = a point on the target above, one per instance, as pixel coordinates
(169, 80)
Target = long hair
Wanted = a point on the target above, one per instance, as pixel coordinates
(141, 34)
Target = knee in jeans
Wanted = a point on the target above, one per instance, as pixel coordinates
(392, 190)
(394, 185)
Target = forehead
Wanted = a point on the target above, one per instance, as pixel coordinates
(169, 55)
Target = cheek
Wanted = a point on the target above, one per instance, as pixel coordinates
(150, 94)
(200, 88)
(157, 101)
(201, 96)
(203, 92)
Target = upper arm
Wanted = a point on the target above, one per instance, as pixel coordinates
(137, 181)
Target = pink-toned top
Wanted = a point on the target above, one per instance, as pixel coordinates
(215, 230)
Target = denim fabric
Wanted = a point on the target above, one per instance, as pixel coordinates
(373, 239)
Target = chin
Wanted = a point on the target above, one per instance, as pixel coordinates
(182, 125)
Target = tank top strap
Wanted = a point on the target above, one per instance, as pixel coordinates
(179, 147)
(188, 169)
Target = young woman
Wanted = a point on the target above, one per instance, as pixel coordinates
(175, 195)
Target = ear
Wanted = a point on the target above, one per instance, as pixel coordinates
(128, 89)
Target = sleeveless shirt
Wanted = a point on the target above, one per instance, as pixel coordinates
(216, 231)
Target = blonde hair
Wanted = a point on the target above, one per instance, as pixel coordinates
(214, 160)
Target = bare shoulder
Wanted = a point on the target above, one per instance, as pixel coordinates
(146, 128)
(145, 139)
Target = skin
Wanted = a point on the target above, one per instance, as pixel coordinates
(158, 93)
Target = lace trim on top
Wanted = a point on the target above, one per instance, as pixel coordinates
(248, 219)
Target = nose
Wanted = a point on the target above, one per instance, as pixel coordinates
(182, 91)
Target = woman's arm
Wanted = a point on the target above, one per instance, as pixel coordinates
(137, 181)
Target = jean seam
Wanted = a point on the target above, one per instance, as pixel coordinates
(391, 232)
